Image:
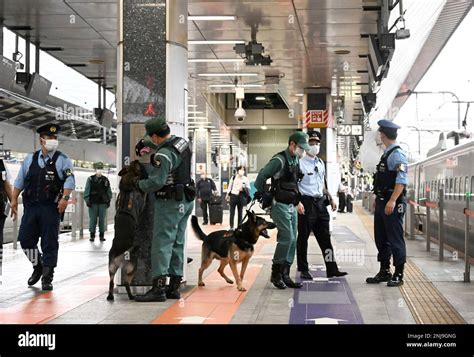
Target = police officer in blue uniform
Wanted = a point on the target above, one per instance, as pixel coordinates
(46, 179)
(390, 182)
(313, 215)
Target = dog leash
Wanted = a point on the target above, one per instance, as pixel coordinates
(247, 212)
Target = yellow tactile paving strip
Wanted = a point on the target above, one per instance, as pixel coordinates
(425, 302)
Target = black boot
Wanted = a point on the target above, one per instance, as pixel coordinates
(335, 274)
(36, 276)
(156, 293)
(382, 276)
(397, 278)
(101, 237)
(276, 277)
(47, 279)
(172, 290)
(306, 275)
(285, 275)
(92, 237)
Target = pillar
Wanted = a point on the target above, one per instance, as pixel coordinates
(151, 81)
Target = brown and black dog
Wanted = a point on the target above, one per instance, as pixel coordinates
(231, 247)
(129, 205)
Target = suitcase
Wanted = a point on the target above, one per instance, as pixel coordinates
(216, 213)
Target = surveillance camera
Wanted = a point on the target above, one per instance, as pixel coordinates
(240, 114)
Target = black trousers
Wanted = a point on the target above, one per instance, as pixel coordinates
(342, 201)
(2, 225)
(235, 201)
(204, 207)
(316, 220)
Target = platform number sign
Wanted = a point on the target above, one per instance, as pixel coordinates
(350, 130)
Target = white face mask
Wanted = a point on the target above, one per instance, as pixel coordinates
(314, 151)
(203, 177)
(50, 144)
(241, 172)
(99, 172)
(300, 152)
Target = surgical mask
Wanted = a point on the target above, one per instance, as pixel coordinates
(99, 172)
(314, 151)
(51, 144)
(203, 177)
(299, 152)
(241, 172)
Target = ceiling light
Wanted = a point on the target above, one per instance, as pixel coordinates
(215, 60)
(299, 95)
(195, 112)
(215, 42)
(263, 127)
(233, 86)
(94, 139)
(192, 105)
(227, 74)
(260, 98)
(212, 18)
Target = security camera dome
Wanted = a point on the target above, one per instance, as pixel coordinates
(240, 114)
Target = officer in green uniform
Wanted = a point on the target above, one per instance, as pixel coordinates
(97, 195)
(284, 171)
(170, 180)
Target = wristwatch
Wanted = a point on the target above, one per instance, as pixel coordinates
(66, 198)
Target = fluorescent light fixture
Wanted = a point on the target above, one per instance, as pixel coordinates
(94, 139)
(299, 95)
(192, 105)
(243, 74)
(195, 112)
(263, 127)
(212, 18)
(215, 42)
(260, 98)
(234, 86)
(216, 60)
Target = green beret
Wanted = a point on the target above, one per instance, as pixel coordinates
(301, 139)
(154, 125)
(98, 165)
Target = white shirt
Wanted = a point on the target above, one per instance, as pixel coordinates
(312, 183)
(237, 183)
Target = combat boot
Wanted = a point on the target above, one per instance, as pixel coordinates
(276, 277)
(383, 275)
(36, 276)
(47, 279)
(92, 238)
(172, 290)
(156, 293)
(285, 275)
(101, 237)
(397, 278)
(306, 275)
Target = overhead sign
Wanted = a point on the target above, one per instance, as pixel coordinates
(317, 119)
(350, 130)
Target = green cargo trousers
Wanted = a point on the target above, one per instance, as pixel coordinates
(286, 219)
(97, 211)
(169, 233)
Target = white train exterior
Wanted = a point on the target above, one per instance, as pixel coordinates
(453, 171)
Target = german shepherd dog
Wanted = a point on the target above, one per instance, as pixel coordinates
(129, 205)
(231, 247)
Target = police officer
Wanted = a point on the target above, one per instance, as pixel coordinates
(284, 171)
(170, 179)
(97, 195)
(390, 181)
(312, 212)
(5, 196)
(46, 179)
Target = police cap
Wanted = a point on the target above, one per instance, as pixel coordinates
(388, 126)
(301, 139)
(154, 125)
(48, 129)
(314, 135)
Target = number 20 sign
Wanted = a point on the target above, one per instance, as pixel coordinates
(350, 130)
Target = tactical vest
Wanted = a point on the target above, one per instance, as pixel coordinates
(285, 188)
(179, 184)
(99, 186)
(43, 185)
(385, 179)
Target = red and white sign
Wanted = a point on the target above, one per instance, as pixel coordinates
(317, 119)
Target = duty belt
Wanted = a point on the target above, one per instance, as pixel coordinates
(315, 199)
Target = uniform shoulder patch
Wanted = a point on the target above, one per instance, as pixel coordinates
(68, 172)
(155, 161)
(180, 144)
(401, 167)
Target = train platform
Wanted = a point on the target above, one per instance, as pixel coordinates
(433, 292)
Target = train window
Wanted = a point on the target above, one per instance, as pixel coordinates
(462, 188)
(446, 188)
(450, 190)
(472, 186)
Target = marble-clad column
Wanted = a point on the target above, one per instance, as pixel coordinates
(151, 81)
